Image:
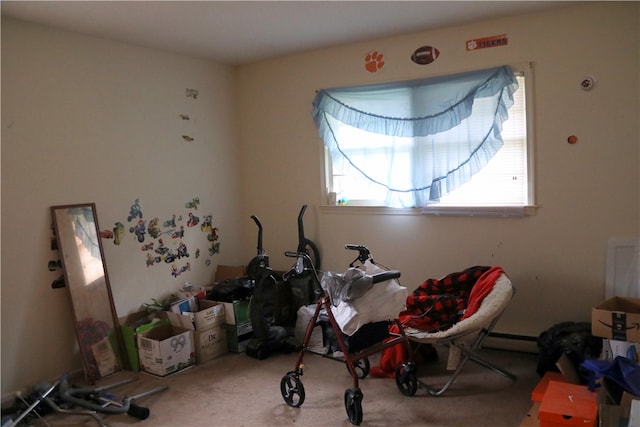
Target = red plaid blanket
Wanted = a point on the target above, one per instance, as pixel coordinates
(437, 304)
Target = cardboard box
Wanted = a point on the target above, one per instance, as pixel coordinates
(613, 416)
(210, 339)
(224, 272)
(210, 314)
(132, 325)
(614, 404)
(236, 313)
(237, 324)
(567, 404)
(210, 343)
(617, 318)
(237, 343)
(186, 305)
(613, 348)
(634, 413)
(167, 348)
(198, 293)
(531, 419)
(568, 374)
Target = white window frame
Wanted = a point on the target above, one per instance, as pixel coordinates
(529, 208)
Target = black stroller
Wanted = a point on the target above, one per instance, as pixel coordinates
(357, 362)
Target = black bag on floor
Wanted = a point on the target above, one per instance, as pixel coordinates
(231, 290)
(571, 338)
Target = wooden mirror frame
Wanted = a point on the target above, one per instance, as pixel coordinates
(87, 282)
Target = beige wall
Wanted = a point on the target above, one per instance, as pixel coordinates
(587, 192)
(89, 120)
(84, 119)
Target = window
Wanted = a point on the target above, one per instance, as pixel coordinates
(388, 145)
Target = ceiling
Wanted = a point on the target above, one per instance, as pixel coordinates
(241, 32)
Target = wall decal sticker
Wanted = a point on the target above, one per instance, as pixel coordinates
(153, 229)
(147, 247)
(178, 234)
(192, 93)
(193, 204)
(374, 61)
(193, 220)
(139, 230)
(425, 55)
(170, 222)
(118, 233)
(162, 245)
(188, 116)
(175, 272)
(135, 211)
(486, 42)
(206, 225)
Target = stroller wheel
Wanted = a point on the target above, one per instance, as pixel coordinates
(292, 390)
(362, 367)
(406, 379)
(353, 405)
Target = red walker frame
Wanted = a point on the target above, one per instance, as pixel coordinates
(406, 380)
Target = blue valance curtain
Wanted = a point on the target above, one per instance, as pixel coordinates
(433, 134)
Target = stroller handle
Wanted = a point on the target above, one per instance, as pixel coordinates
(385, 275)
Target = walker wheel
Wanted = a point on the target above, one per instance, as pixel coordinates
(292, 390)
(353, 405)
(406, 379)
(362, 367)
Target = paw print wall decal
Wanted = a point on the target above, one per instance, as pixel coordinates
(373, 62)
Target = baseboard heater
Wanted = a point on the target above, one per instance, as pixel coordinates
(513, 342)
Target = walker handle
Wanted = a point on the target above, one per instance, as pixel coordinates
(384, 276)
(363, 253)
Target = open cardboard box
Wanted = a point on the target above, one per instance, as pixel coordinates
(617, 318)
(614, 405)
(224, 272)
(167, 348)
(130, 326)
(207, 325)
(209, 334)
(209, 314)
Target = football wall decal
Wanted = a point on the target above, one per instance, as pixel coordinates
(425, 55)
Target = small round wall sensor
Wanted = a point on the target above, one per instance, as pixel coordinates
(587, 83)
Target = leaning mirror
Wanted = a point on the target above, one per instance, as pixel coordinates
(94, 315)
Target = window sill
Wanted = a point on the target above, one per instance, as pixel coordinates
(484, 211)
(501, 211)
(369, 210)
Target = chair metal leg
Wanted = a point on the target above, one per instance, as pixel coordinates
(440, 391)
(469, 353)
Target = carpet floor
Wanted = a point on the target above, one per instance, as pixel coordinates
(236, 390)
